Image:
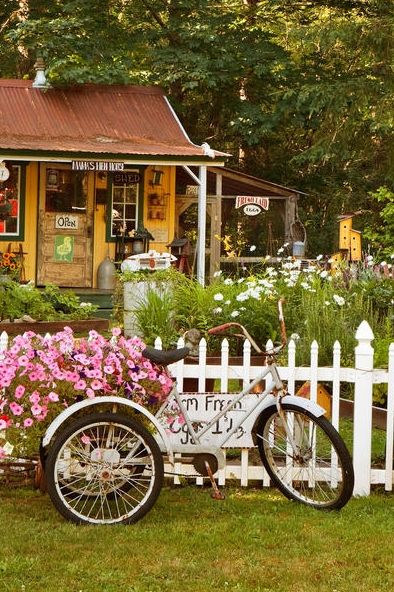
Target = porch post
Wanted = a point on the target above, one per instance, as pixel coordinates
(202, 217)
(216, 224)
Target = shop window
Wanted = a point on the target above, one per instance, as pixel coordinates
(11, 204)
(65, 191)
(124, 203)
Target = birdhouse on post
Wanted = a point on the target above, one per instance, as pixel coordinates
(180, 248)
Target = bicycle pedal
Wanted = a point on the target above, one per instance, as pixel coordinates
(218, 495)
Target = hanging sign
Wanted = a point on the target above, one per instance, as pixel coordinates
(66, 221)
(4, 172)
(64, 249)
(251, 204)
(96, 165)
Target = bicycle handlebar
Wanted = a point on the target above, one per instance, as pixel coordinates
(222, 328)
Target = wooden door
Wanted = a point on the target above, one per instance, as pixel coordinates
(65, 227)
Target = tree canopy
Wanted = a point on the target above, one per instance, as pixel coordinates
(299, 92)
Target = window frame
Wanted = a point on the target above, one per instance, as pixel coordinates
(20, 234)
(110, 237)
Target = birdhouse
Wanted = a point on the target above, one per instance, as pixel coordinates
(355, 245)
(345, 226)
(323, 396)
(349, 239)
(180, 248)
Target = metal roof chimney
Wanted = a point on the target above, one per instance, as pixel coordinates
(40, 80)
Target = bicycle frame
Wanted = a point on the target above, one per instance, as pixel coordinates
(272, 394)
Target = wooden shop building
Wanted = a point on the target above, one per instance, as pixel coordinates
(83, 167)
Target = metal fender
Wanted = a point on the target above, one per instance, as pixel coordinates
(306, 404)
(300, 402)
(165, 445)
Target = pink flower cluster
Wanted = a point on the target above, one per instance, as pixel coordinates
(41, 375)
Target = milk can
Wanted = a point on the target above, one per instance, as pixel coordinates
(106, 275)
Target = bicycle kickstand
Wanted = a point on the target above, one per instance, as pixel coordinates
(216, 494)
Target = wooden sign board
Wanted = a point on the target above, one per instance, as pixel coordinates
(201, 407)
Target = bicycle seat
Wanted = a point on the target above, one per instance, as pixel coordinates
(158, 356)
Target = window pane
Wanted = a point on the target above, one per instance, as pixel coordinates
(131, 193)
(66, 190)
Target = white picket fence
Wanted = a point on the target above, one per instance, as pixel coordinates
(363, 376)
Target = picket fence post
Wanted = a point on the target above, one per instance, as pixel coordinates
(390, 422)
(3, 342)
(363, 410)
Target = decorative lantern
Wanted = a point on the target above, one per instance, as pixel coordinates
(140, 241)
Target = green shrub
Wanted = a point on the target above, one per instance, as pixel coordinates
(49, 304)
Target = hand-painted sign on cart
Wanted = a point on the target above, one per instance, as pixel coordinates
(202, 407)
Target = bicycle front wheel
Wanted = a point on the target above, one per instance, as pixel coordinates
(305, 457)
(104, 469)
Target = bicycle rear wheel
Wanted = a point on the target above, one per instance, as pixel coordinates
(104, 469)
(305, 457)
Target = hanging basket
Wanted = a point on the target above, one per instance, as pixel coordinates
(298, 232)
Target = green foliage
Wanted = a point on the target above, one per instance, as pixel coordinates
(380, 227)
(319, 306)
(155, 318)
(49, 304)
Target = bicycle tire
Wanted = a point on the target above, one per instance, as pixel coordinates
(92, 460)
(322, 479)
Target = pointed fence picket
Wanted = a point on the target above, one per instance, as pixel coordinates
(363, 376)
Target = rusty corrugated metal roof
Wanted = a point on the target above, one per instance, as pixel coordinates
(92, 119)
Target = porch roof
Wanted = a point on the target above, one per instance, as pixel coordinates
(94, 119)
(236, 183)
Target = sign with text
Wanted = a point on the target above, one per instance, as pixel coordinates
(203, 407)
(251, 204)
(66, 222)
(96, 165)
(126, 178)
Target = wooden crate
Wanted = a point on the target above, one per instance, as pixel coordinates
(18, 472)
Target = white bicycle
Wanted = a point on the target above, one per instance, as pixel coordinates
(104, 457)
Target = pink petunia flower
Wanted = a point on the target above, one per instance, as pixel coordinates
(15, 408)
(36, 410)
(34, 398)
(19, 391)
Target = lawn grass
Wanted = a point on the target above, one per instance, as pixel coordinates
(253, 541)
